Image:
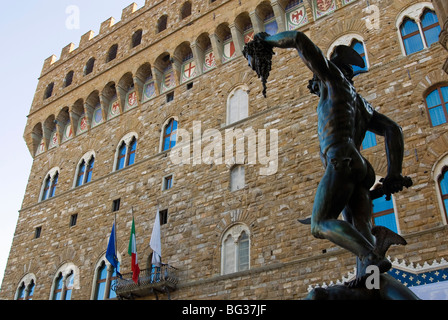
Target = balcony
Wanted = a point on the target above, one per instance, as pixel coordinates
(156, 280)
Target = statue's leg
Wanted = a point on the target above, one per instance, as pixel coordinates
(333, 193)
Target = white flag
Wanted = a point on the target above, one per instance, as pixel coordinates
(155, 242)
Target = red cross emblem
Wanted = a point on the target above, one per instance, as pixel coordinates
(189, 69)
(249, 37)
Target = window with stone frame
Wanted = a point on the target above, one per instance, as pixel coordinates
(89, 66)
(162, 23)
(169, 135)
(105, 278)
(235, 249)
(49, 91)
(418, 27)
(126, 152)
(25, 291)
(49, 185)
(68, 79)
(136, 38)
(185, 11)
(63, 285)
(437, 105)
(84, 171)
(112, 53)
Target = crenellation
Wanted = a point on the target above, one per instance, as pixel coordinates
(128, 12)
(107, 26)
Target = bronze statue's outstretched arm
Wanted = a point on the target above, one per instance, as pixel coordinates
(311, 55)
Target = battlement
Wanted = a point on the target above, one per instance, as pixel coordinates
(89, 38)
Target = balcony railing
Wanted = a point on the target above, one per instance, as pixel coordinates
(156, 280)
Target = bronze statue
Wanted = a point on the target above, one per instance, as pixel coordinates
(344, 116)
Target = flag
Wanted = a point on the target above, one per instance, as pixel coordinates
(132, 251)
(155, 243)
(111, 252)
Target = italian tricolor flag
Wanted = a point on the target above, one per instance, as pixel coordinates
(132, 250)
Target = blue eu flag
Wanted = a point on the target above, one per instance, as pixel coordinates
(111, 252)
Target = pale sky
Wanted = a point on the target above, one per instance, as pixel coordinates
(30, 32)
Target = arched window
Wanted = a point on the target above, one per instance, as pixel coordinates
(21, 292)
(237, 105)
(85, 170)
(437, 103)
(358, 46)
(185, 11)
(418, 27)
(63, 286)
(126, 152)
(356, 42)
(112, 53)
(410, 34)
(49, 185)
(59, 284)
(430, 27)
(136, 38)
(81, 171)
(235, 250)
(25, 290)
(68, 79)
(49, 91)
(162, 23)
(443, 185)
(169, 135)
(132, 148)
(89, 66)
(106, 275)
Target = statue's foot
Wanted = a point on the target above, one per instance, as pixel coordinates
(372, 259)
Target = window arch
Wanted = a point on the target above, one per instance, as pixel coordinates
(356, 42)
(25, 290)
(65, 281)
(437, 105)
(169, 136)
(68, 79)
(50, 184)
(235, 249)
(125, 154)
(185, 11)
(49, 91)
(162, 23)
(84, 170)
(418, 27)
(238, 104)
(112, 53)
(430, 27)
(89, 66)
(104, 280)
(136, 38)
